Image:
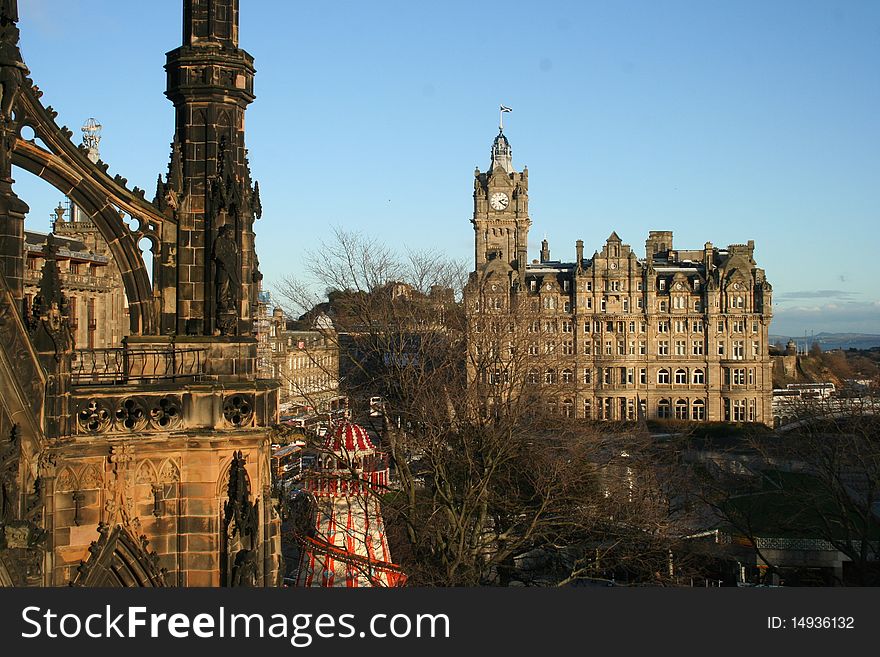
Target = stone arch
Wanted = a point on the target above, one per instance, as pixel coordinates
(66, 480)
(91, 477)
(169, 473)
(117, 560)
(146, 473)
(223, 479)
(67, 168)
(121, 242)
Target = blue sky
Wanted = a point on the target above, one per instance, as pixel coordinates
(721, 121)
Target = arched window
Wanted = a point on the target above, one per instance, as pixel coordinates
(681, 377)
(681, 409)
(568, 408)
(699, 376)
(533, 376)
(567, 376)
(550, 376)
(663, 376)
(663, 411)
(699, 410)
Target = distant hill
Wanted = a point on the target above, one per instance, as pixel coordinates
(830, 341)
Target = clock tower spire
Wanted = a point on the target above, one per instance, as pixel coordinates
(501, 210)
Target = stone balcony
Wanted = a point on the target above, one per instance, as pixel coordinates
(70, 281)
(158, 384)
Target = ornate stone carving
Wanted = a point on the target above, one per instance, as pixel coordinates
(165, 412)
(239, 410)
(130, 414)
(10, 454)
(170, 473)
(227, 281)
(66, 481)
(91, 478)
(46, 464)
(95, 416)
(51, 329)
(119, 559)
(241, 525)
(12, 77)
(17, 347)
(21, 539)
(156, 489)
(77, 497)
(120, 503)
(146, 473)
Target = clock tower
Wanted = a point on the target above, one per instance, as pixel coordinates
(501, 210)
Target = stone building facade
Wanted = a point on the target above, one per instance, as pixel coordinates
(679, 333)
(90, 281)
(149, 466)
(305, 360)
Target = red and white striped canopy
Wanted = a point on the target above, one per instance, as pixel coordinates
(349, 439)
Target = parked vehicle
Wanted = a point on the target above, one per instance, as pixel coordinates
(377, 406)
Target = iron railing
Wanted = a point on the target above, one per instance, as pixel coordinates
(123, 366)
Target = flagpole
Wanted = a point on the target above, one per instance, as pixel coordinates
(501, 110)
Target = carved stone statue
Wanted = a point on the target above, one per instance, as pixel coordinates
(12, 68)
(227, 280)
(478, 184)
(244, 569)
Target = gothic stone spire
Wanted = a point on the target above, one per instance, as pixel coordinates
(210, 82)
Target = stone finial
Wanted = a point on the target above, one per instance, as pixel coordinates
(50, 295)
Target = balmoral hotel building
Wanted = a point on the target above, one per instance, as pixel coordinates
(680, 333)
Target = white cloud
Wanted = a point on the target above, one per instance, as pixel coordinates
(845, 317)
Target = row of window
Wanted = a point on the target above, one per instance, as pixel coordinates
(681, 409)
(619, 285)
(737, 325)
(617, 376)
(611, 285)
(551, 303)
(640, 348)
(624, 408)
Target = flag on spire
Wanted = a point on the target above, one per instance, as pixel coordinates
(504, 109)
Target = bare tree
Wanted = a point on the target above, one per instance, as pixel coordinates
(494, 480)
(814, 483)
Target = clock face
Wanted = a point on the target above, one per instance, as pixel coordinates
(499, 200)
